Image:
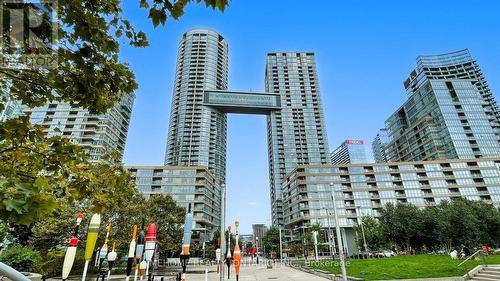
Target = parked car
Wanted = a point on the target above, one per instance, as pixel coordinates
(496, 252)
(385, 253)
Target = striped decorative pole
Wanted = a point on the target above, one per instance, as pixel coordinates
(228, 254)
(138, 251)
(111, 259)
(131, 253)
(149, 248)
(69, 257)
(103, 253)
(93, 231)
(237, 253)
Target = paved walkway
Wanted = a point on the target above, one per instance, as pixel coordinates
(254, 272)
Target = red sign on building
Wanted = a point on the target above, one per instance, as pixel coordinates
(354, 142)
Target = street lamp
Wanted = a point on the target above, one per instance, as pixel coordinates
(330, 235)
(339, 239)
(360, 222)
(222, 228)
(257, 242)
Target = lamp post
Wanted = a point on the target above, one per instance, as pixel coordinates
(281, 246)
(257, 242)
(222, 228)
(360, 222)
(330, 235)
(339, 239)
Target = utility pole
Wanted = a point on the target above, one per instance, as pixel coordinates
(339, 238)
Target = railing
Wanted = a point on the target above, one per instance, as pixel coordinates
(11, 273)
(471, 256)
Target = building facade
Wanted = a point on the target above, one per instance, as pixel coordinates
(198, 124)
(349, 152)
(296, 134)
(197, 133)
(187, 185)
(363, 189)
(259, 230)
(450, 112)
(98, 134)
(379, 144)
(11, 107)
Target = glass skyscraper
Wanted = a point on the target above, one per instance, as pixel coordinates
(296, 133)
(378, 146)
(450, 112)
(349, 152)
(197, 133)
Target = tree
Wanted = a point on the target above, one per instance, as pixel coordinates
(88, 73)
(39, 175)
(50, 236)
(22, 258)
(401, 225)
(271, 240)
(4, 230)
(160, 10)
(451, 224)
(373, 234)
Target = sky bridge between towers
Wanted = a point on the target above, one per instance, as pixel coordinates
(242, 102)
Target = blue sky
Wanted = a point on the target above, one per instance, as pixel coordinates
(364, 51)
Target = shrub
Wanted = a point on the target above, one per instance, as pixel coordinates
(22, 258)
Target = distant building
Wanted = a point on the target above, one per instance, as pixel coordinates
(245, 238)
(364, 189)
(450, 112)
(98, 134)
(259, 230)
(11, 108)
(187, 185)
(349, 152)
(378, 146)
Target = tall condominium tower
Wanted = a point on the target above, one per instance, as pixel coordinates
(378, 146)
(349, 152)
(98, 134)
(296, 133)
(450, 112)
(197, 133)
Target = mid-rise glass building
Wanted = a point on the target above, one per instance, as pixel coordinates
(98, 134)
(379, 144)
(450, 112)
(187, 185)
(364, 189)
(349, 152)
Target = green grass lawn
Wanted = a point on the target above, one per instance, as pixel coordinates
(405, 267)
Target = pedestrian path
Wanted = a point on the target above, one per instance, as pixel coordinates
(260, 272)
